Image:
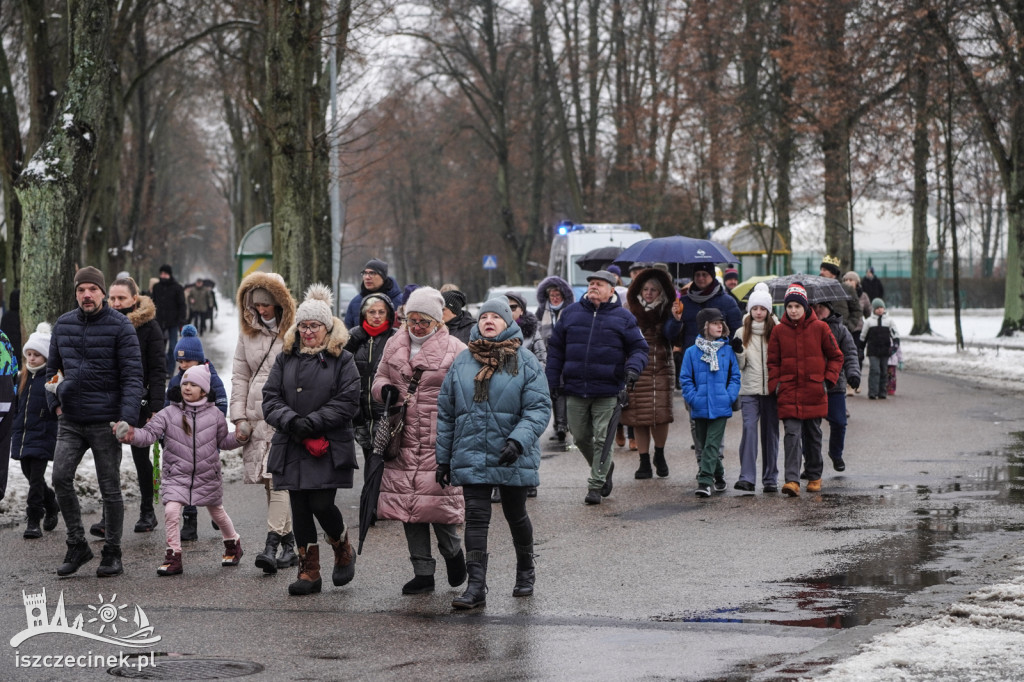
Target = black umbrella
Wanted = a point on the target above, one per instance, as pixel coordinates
(599, 258)
(819, 289)
(371, 483)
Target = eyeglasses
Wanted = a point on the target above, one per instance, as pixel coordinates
(513, 306)
(369, 273)
(310, 328)
(418, 323)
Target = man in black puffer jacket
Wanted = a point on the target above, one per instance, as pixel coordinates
(95, 378)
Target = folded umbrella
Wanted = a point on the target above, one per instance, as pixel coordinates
(371, 486)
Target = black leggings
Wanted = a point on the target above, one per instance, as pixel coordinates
(319, 503)
(144, 468)
(478, 515)
(40, 496)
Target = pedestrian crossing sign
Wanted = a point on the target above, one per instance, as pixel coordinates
(490, 262)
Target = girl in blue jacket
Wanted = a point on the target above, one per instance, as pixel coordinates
(710, 378)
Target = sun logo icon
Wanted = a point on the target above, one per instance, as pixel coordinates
(107, 613)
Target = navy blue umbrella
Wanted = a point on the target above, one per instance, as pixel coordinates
(677, 250)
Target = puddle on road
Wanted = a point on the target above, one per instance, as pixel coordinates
(882, 577)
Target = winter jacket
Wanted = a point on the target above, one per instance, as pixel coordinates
(592, 348)
(461, 326)
(169, 298)
(154, 361)
(470, 435)
(390, 288)
(545, 315)
(754, 359)
(873, 287)
(878, 334)
(99, 354)
(710, 395)
(650, 403)
(408, 491)
(34, 431)
(849, 309)
(367, 351)
(190, 465)
(218, 396)
(851, 361)
(802, 356)
(255, 354)
(684, 332)
(200, 299)
(323, 386)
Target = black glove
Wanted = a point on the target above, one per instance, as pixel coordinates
(737, 345)
(631, 378)
(389, 395)
(174, 394)
(301, 428)
(624, 398)
(443, 475)
(829, 385)
(553, 392)
(854, 382)
(510, 453)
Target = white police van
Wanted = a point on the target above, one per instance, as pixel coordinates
(573, 240)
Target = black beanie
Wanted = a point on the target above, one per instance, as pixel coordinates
(378, 266)
(454, 301)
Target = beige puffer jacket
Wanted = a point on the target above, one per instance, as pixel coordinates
(255, 352)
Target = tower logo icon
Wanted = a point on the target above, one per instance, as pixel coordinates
(108, 617)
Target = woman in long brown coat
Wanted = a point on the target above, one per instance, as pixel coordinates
(650, 299)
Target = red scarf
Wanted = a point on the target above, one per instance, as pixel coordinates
(376, 331)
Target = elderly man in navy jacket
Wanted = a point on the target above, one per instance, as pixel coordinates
(595, 351)
(95, 378)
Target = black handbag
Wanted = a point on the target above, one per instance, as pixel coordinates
(387, 440)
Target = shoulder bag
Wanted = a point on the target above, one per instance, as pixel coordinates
(387, 440)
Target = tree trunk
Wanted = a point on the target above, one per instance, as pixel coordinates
(52, 187)
(835, 147)
(11, 163)
(919, 254)
(40, 55)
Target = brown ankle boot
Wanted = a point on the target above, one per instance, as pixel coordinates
(309, 571)
(344, 559)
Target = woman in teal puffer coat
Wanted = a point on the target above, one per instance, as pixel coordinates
(494, 405)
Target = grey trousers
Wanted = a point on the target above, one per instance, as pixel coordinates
(802, 442)
(760, 422)
(417, 535)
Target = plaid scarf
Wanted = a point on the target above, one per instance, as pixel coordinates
(493, 356)
(709, 349)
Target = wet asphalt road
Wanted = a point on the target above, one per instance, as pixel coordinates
(653, 583)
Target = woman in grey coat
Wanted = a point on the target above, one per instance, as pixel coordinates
(494, 405)
(310, 398)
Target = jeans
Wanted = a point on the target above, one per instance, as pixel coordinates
(878, 376)
(588, 422)
(40, 496)
(760, 419)
(73, 439)
(307, 504)
(171, 335)
(710, 434)
(802, 435)
(478, 515)
(417, 535)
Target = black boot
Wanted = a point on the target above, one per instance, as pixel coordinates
(77, 555)
(99, 529)
(288, 557)
(52, 515)
(110, 564)
(476, 592)
(32, 529)
(189, 524)
(147, 521)
(525, 572)
(645, 467)
(456, 569)
(660, 465)
(267, 559)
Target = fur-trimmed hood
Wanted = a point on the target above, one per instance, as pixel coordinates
(143, 312)
(249, 320)
(563, 286)
(649, 318)
(334, 343)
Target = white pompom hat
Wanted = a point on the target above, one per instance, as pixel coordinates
(39, 340)
(317, 306)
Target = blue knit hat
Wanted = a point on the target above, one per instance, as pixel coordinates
(189, 347)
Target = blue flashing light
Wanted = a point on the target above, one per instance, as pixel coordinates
(564, 227)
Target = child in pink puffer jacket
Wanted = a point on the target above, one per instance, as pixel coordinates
(194, 433)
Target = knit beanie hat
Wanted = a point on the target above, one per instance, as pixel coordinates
(167, 268)
(378, 266)
(614, 269)
(90, 275)
(704, 267)
(877, 303)
(189, 347)
(407, 291)
(731, 273)
(796, 292)
(198, 375)
(499, 306)
(454, 301)
(39, 340)
(427, 301)
(760, 296)
(831, 264)
(516, 298)
(261, 296)
(317, 306)
(852, 275)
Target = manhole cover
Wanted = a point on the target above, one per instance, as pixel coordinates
(187, 669)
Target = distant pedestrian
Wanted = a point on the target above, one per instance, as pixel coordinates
(493, 407)
(171, 309)
(311, 396)
(266, 311)
(596, 352)
(710, 377)
(95, 370)
(553, 296)
(413, 368)
(804, 361)
(200, 303)
(853, 280)
(836, 416)
(374, 279)
(194, 432)
(34, 434)
(873, 286)
(878, 335)
(848, 308)
(759, 408)
(459, 321)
